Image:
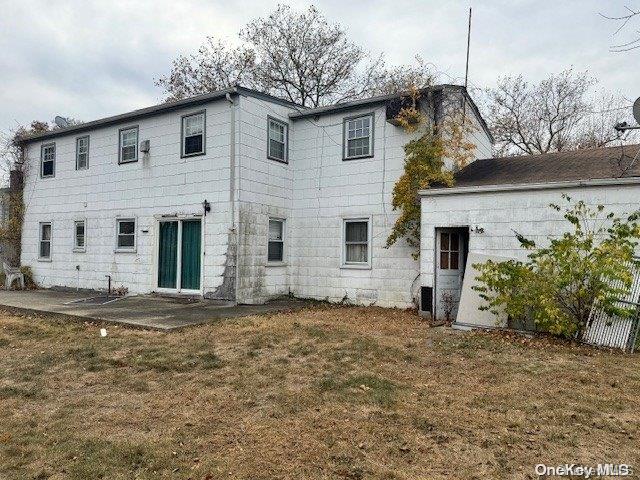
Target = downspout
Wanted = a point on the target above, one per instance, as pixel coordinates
(232, 189)
(232, 161)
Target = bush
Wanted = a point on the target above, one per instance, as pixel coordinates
(557, 286)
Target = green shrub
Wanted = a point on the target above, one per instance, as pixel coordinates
(557, 286)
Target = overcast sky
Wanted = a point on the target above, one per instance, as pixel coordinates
(90, 59)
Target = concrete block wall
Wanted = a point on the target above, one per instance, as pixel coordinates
(265, 191)
(328, 189)
(497, 214)
(313, 193)
(161, 183)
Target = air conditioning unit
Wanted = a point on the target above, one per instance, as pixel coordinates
(145, 146)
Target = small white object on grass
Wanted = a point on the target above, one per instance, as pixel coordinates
(103, 332)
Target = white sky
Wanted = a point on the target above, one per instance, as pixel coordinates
(89, 59)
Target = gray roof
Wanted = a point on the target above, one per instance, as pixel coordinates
(341, 107)
(587, 164)
(156, 109)
(302, 112)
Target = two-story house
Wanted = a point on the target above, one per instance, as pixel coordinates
(232, 195)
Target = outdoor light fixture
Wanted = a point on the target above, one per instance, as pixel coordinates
(207, 207)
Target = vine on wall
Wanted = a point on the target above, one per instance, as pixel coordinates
(425, 162)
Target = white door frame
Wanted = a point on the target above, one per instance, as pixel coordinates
(156, 254)
(463, 249)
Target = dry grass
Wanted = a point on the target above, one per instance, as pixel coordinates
(323, 393)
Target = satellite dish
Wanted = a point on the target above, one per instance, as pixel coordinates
(636, 110)
(61, 122)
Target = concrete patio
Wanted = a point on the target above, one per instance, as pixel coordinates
(142, 311)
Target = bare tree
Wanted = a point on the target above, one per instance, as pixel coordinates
(554, 115)
(295, 55)
(623, 21)
(10, 150)
(387, 80)
(215, 66)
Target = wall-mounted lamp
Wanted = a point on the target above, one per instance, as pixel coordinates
(477, 229)
(207, 207)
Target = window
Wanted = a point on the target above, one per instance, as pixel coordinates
(449, 251)
(128, 145)
(276, 241)
(45, 241)
(358, 137)
(193, 131)
(356, 242)
(79, 235)
(277, 136)
(82, 153)
(126, 229)
(48, 160)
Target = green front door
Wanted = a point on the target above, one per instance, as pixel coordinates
(190, 257)
(179, 255)
(168, 255)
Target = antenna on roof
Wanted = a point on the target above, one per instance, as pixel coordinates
(61, 121)
(624, 126)
(466, 69)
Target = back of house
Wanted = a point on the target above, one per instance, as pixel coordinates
(232, 195)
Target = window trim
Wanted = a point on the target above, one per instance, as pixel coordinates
(449, 251)
(283, 221)
(42, 147)
(132, 127)
(40, 257)
(78, 151)
(345, 123)
(286, 140)
(132, 249)
(77, 248)
(204, 134)
(357, 265)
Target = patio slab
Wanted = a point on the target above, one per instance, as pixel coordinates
(142, 311)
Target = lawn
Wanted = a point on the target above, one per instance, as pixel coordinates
(329, 392)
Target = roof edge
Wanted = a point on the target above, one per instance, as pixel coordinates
(158, 109)
(512, 187)
(354, 104)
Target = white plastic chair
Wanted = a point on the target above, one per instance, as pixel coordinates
(11, 274)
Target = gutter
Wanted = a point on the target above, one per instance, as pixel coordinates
(515, 187)
(156, 110)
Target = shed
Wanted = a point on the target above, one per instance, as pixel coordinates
(494, 198)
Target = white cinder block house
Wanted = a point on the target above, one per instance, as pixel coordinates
(496, 197)
(232, 195)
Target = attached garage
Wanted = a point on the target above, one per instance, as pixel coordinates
(493, 199)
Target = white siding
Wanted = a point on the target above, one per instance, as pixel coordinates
(314, 192)
(161, 184)
(265, 191)
(328, 189)
(497, 214)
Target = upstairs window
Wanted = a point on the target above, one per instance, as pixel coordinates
(358, 137)
(45, 241)
(193, 131)
(82, 153)
(126, 233)
(356, 242)
(277, 132)
(276, 240)
(79, 236)
(48, 160)
(128, 145)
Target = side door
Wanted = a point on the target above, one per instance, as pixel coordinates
(450, 258)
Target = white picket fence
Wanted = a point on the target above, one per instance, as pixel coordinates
(615, 332)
